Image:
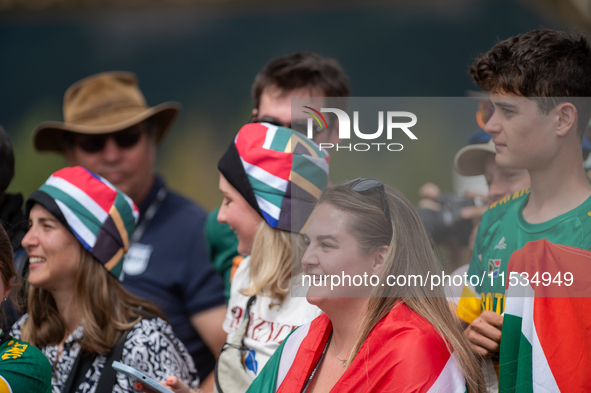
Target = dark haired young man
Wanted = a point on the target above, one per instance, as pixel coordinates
(535, 80)
(299, 74)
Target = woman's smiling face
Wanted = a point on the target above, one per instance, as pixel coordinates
(333, 250)
(54, 252)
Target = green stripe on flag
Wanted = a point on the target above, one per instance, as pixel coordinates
(84, 215)
(524, 382)
(125, 212)
(515, 366)
(313, 173)
(267, 192)
(274, 199)
(280, 141)
(117, 269)
(301, 138)
(266, 381)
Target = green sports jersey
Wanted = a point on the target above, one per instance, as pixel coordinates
(23, 367)
(502, 231)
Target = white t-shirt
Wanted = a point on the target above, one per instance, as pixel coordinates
(269, 323)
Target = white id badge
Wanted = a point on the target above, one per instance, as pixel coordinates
(137, 258)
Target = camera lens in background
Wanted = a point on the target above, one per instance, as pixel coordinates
(441, 224)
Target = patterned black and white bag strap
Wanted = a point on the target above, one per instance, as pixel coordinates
(83, 363)
(78, 371)
(108, 375)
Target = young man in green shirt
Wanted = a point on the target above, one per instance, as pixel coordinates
(534, 80)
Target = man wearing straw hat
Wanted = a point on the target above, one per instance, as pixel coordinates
(109, 129)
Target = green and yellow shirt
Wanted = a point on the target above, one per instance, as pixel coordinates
(502, 231)
(23, 367)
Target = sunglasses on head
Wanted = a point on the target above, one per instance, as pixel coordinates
(364, 186)
(94, 143)
(299, 125)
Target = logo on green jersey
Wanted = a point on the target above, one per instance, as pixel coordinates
(493, 267)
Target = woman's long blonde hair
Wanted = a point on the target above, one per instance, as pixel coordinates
(106, 310)
(271, 262)
(410, 253)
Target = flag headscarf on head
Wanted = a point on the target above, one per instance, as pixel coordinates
(278, 171)
(101, 217)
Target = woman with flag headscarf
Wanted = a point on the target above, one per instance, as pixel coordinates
(378, 334)
(79, 314)
(271, 179)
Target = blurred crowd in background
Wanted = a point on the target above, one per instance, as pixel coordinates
(205, 55)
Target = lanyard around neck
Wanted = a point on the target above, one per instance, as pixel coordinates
(311, 377)
(150, 213)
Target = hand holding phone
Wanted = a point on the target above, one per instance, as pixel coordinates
(139, 376)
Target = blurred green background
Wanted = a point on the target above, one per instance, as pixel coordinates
(205, 55)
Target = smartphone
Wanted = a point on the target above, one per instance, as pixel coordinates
(139, 376)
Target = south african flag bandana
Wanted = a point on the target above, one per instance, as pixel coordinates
(101, 217)
(279, 172)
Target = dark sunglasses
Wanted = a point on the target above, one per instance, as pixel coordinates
(300, 125)
(95, 143)
(364, 186)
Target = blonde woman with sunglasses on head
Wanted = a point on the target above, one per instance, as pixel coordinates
(371, 337)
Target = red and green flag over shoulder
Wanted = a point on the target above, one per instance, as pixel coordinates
(546, 339)
(403, 353)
